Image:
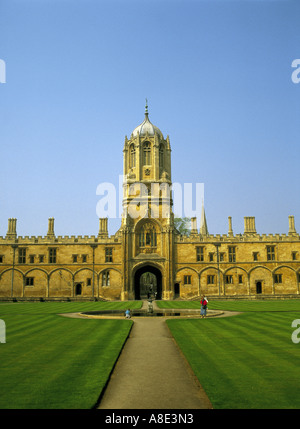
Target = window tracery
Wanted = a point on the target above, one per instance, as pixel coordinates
(147, 153)
(147, 236)
(132, 156)
(161, 156)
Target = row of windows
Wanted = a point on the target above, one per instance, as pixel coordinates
(146, 155)
(52, 257)
(147, 237)
(29, 281)
(212, 256)
(187, 280)
(211, 279)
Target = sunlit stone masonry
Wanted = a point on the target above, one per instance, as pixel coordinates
(148, 256)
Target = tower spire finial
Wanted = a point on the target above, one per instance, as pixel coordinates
(146, 108)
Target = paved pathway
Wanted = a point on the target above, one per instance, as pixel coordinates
(151, 373)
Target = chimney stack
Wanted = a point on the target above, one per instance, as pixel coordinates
(12, 228)
(292, 229)
(230, 231)
(249, 225)
(103, 232)
(194, 225)
(50, 233)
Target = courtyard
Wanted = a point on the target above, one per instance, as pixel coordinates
(247, 361)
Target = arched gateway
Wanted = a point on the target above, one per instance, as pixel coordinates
(150, 249)
(147, 282)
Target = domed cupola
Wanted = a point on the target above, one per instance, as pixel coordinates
(146, 127)
(147, 155)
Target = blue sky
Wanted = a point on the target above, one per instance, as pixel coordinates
(217, 75)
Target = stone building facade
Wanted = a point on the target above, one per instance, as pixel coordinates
(148, 254)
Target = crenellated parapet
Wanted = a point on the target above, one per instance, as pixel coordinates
(250, 234)
(102, 237)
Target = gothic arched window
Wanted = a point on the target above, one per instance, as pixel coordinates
(146, 153)
(106, 278)
(148, 236)
(161, 156)
(132, 156)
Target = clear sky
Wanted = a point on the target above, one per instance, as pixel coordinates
(217, 75)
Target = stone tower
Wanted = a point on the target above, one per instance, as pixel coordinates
(147, 221)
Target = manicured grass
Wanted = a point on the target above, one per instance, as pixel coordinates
(245, 361)
(237, 305)
(65, 307)
(50, 361)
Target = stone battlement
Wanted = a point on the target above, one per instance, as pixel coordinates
(60, 239)
(237, 238)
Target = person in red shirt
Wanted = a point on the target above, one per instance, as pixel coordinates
(203, 303)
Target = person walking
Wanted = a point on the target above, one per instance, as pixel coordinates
(203, 303)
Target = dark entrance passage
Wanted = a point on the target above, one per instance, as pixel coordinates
(148, 283)
(176, 290)
(78, 289)
(258, 287)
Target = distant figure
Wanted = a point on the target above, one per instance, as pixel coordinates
(127, 314)
(203, 303)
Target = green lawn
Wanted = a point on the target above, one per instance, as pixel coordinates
(245, 361)
(236, 305)
(50, 361)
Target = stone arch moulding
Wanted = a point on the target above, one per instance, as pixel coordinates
(61, 283)
(7, 289)
(236, 267)
(146, 220)
(283, 266)
(264, 276)
(112, 290)
(142, 264)
(210, 267)
(257, 267)
(41, 282)
(141, 268)
(10, 269)
(108, 268)
(36, 269)
(84, 268)
(202, 282)
(178, 280)
(290, 284)
(60, 269)
(236, 270)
